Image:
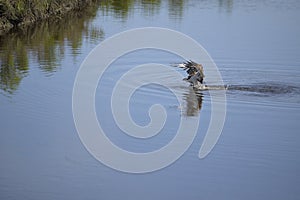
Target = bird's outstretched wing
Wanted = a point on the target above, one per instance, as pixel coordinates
(194, 71)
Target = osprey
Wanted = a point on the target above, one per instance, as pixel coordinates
(195, 73)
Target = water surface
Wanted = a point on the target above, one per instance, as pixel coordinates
(256, 47)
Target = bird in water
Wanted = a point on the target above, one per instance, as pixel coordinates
(195, 73)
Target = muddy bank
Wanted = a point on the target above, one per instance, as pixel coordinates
(19, 13)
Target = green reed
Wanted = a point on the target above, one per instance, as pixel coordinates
(19, 12)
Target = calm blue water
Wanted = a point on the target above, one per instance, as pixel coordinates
(256, 47)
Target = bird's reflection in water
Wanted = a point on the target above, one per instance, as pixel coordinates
(192, 102)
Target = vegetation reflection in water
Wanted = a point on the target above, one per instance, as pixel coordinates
(44, 43)
(122, 9)
(176, 8)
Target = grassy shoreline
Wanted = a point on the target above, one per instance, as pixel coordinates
(17, 13)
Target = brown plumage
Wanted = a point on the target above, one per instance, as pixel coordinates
(194, 71)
